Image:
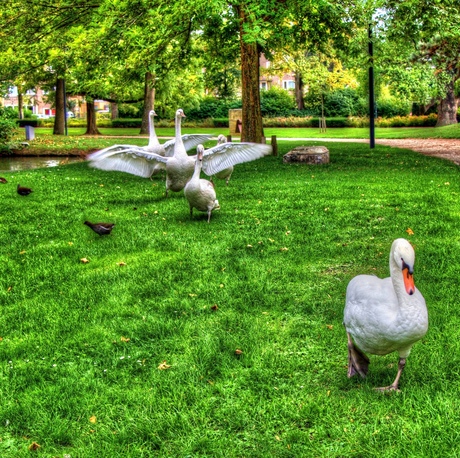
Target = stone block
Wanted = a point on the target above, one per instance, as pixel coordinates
(307, 155)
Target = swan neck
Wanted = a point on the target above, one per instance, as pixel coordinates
(153, 140)
(179, 144)
(398, 281)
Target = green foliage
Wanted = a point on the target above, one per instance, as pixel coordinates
(276, 102)
(7, 128)
(129, 110)
(344, 102)
(212, 107)
(391, 107)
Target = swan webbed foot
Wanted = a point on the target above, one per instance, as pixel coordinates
(395, 384)
(358, 362)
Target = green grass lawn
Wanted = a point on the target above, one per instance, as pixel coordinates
(82, 344)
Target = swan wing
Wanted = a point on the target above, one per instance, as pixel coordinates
(193, 140)
(136, 162)
(225, 155)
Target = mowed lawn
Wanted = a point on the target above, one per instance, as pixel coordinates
(173, 337)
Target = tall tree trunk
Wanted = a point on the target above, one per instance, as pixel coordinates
(91, 127)
(114, 110)
(299, 91)
(59, 119)
(20, 104)
(447, 109)
(149, 101)
(252, 128)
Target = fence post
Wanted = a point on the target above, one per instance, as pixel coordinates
(274, 146)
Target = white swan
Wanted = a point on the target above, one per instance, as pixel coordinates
(385, 315)
(137, 160)
(200, 193)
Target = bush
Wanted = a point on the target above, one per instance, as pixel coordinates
(28, 122)
(210, 107)
(342, 102)
(126, 110)
(7, 130)
(391, 107)
(276, 102)
(127, 122)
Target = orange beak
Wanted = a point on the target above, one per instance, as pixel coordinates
(408, 281)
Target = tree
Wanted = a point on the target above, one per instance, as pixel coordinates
(428, 29)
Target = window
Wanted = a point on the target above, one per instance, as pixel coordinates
(289, 84)
(263, 85)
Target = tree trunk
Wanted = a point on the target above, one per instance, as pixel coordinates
(252, 128)
(149, 101)
(20, 104)
(91, 127)
(447, 109)
(59, 119)
(114, 110)
(299, 91)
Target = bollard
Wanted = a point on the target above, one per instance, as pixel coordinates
(30, 132)
(274, 146)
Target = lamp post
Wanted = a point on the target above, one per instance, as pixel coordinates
(371, 91)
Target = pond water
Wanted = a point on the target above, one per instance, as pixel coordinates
(15, 163)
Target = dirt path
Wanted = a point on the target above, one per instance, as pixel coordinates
(438, 147)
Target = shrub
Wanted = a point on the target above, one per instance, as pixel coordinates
(391, 107)
(126, 110)
(127, 122)
(276, 102)
(7, 130)
(211, 107)
(342, 102)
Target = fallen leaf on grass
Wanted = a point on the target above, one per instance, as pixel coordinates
(125, 339)
(121, 263)
(22, 252)
(93, 419)
(34, 446)
(284, 249)
(238, 352)
(84, 260)
(410, 231)
(163, 366)
(330, 326)
(214, 307)
(9, 289)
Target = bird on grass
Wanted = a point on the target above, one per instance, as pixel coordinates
(200, 193)
(100, 228)
(138, 160)
(3, 180)
(385, 315)
(23, 191)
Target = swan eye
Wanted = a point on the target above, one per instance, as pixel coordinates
(406, 266)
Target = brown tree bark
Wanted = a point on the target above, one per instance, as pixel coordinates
(59, 119)
(91, 126)
(252, 128)
(299, 91)
(149, 102)
(20, 104)
(114, 110)
(447, 109)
